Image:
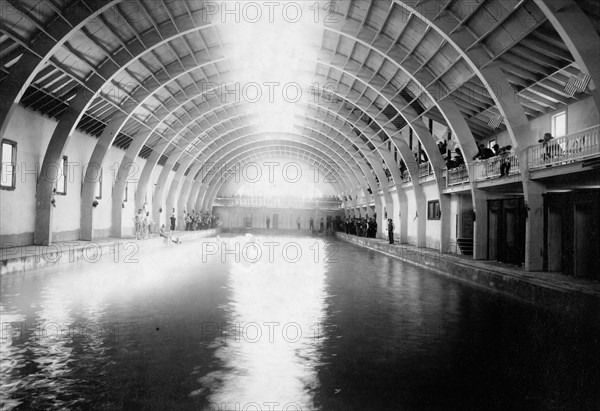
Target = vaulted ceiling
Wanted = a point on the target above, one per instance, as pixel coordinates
(173, 80)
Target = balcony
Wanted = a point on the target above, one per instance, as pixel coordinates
(491, 168)
(457, 176)
(425, 170)
(565, 150)
(325, 203)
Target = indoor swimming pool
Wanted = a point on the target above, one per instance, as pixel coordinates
(278, 323)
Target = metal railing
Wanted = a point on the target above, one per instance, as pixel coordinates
(563, 150)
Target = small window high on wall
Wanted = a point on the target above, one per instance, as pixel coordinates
(559, 124)
(61, 178)
(8, 174)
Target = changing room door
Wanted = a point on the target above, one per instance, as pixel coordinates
(585, 241)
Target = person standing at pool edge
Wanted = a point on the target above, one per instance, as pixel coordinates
(173, 221)
(390, 228)
(138, 224)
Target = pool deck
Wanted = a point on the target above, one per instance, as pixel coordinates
(569, 295)
(25, 258)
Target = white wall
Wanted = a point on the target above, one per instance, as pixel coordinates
(32, 132)
(17, 207)
(233, 217)
(433, 228)
(412, 232)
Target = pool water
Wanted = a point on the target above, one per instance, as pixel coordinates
(294, 324)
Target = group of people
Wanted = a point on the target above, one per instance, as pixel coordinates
(143, 225)
(455, 159)
(199, 221)
(168, 235)
(311, 224)
(363, 227)
(358, 226)
(502, 154)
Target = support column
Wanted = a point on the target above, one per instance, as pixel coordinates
(480, 225)
(199, 196)
(184, 194)
(421, 217)
(88, 192)
(446, 245)
(191, 201)
(534, 235)
(50, 167)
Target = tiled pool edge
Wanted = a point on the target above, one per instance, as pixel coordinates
(522, 285)
(29, 258)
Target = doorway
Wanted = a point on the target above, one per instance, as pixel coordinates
(506, 231)
(572, 233)
(585, 243)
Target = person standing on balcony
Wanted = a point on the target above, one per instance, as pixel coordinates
(484, 153)
(268, 223)
(502, 154)
(551, 148)
(298, 222)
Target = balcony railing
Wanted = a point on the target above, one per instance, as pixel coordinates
(491, 168)
(277, 203)
(457, 176)
(425, 170)
(565, 150)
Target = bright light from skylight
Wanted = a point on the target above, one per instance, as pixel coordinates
(273, 57)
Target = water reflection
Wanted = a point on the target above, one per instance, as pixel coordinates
(270, 345)
(391, 336)
(11, 355)
(65, 330)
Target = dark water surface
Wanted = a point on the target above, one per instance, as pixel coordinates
(341, 328)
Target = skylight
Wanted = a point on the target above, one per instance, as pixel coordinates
(273, 59)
